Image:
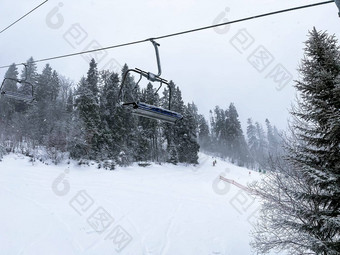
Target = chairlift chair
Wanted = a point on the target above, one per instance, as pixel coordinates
(27, 98)
(146, 110)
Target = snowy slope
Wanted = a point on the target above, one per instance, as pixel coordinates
(160, 209)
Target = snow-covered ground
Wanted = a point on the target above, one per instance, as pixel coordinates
(159, 209)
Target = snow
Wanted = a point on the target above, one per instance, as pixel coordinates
(159, 209)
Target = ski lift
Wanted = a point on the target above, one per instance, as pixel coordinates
(27, 98)
(147, 110)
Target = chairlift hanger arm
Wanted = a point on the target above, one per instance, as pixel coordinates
(146, 75)
(150, 76)
(155, 44)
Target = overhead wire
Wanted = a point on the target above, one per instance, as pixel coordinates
(12, 24)
(178, 33)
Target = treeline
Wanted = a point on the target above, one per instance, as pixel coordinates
(88, 122)
(225, 138)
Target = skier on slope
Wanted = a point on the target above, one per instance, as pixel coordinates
(337, 2)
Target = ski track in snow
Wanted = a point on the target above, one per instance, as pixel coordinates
(165, 209)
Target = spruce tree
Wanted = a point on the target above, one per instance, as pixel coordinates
(149, 138)
(187, 145)
(303, 201)
(235, 141)
(108, 112)
(70, 101)
(204, 138)
(181, 138)
(262, 152)
(88, 110)
(253, 141)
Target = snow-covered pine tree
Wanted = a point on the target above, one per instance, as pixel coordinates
(262, 152)
(187, 145)
(125, 124)
(270, 136)
(88, 110)
(108, 111)
(12, 72)
(149, 140)
(219, 134)
(69, 101)
(181, 138)
(29, 74)
(235, 141)
(302, 203)
(253, 141)
(92, 78)
(204, 138)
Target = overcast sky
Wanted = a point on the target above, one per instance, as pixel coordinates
(252, 64)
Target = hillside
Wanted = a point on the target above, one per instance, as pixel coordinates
(159, 209)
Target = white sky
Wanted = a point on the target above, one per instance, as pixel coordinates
(205, 65)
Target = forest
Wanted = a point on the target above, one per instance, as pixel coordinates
(86, 121)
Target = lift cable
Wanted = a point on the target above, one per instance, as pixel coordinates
(3, 30)
(178, 33)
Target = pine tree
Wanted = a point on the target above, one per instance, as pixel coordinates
(109, 116)
(204, 138)
(304, 199)
(262, 152)
(92, 79)
(70, 101)
(182, 137)
(236, 143)
(30, 75)
(88, 110)
(125, 124)
(253, 141)
(11, 85)
(219, 133)
(270, 136)
(187, 145)
(149, 146)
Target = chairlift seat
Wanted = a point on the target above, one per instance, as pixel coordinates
(154, 112)
(15, 95)
(18, 96)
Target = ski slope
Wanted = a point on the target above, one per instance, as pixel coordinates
(154, 210)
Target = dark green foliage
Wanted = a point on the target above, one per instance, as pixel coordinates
(304, 198)
(227, 136)
(90, 124)
(204, 137)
